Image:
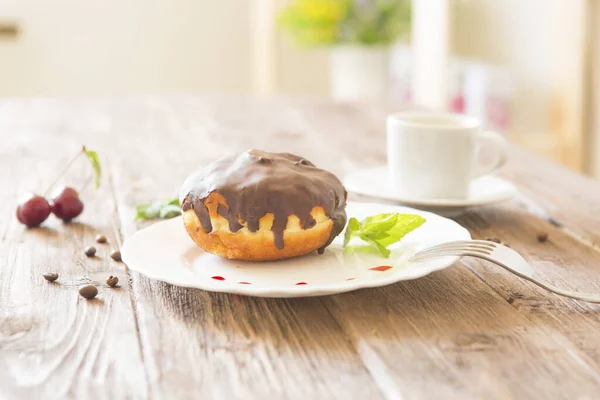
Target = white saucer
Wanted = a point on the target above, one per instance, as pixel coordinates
(373, 182)
(165, 252)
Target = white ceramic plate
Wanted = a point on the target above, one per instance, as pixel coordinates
(165, 252)
(374, 182)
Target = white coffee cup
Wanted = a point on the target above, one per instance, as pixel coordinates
(434, 155)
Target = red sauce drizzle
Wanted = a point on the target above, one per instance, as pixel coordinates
(381, 268)
(301, 283)
(244, 283)
(219, 278)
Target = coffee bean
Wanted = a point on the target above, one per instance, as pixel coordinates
(100, 239)
(90, 251)
(112, 281)
(302, 161)
(494, 239)
(88, 291)
(116, 255)
(50, 276)
(542, 237)
(264, 160)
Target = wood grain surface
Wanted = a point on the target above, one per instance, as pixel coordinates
(472, 331)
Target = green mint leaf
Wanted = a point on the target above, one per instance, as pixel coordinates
(376, 218)
(376, 229)
(380, 248)
(147, 211)
(92, 156)
(405, 224)
(382, 230)
(169, 211)
(351, 230)
(165, 209)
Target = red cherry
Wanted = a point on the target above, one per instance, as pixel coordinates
(33, 210)
(65, 204)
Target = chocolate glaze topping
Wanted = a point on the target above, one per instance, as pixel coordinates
(255, 183)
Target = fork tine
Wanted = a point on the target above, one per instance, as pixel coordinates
(486, 242)
(482, 243)
(454, 253)
(457, 247)
(418, 258)
(461, 246)
(465, 243)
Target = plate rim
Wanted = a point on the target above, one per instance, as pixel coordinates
(449, 203)
(295, 291)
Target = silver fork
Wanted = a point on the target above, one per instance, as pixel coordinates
(500, 255)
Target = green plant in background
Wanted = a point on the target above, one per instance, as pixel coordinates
(332, 22)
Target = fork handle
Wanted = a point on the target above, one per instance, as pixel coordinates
(590, 298)
(528, 275)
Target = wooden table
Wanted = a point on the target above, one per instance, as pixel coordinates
(470, 331)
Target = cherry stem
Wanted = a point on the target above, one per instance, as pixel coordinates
(85, 185)
(65, 169)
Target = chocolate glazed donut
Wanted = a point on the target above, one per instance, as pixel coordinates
(255, 191)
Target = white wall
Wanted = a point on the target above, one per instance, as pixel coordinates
(95, 47)
(301, 71)
(542, 43)
(98, 47)
(593, 106)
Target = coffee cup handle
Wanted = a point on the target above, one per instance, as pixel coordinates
(496, 141)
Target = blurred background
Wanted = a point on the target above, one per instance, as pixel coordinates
(525, 67)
